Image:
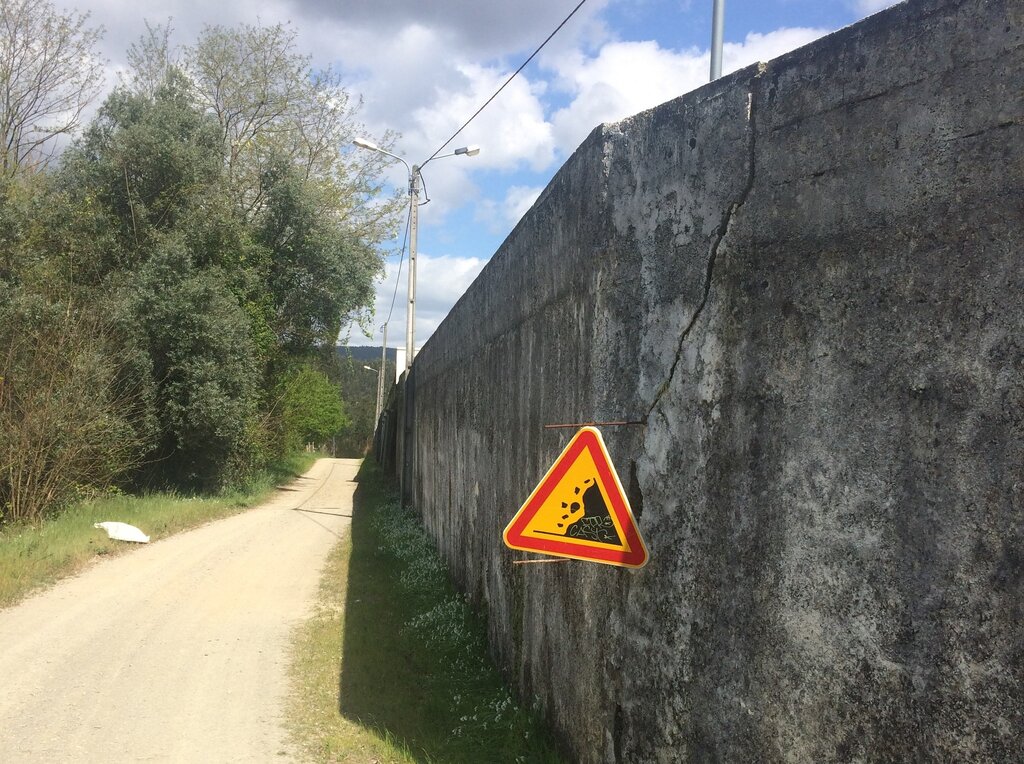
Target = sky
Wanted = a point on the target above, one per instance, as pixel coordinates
(422, 67)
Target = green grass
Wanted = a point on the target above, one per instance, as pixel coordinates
(415, 683)
(34, 556)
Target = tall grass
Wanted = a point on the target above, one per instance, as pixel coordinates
(36, 555)
(415, 682)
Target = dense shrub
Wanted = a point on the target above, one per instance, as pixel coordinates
(66, 406)
(170, 288)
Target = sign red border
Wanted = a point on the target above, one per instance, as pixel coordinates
(588, 438)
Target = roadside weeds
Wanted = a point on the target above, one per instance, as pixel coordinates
(35, 556)
(415, 682)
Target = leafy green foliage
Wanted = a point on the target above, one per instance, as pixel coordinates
(198, 338)
(358, 381)
(151, 164)
(311, 407)
(193, 256)
(319, 273)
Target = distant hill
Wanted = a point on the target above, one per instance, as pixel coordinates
(364, 352)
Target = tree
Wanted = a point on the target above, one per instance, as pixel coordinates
(149, 160)
(271, 104)
(320, 274)
(50, 71)
(150, 60)
(282, 126)
(222, 240)
(360, 392)
(66, 408)
(76, 404)
(199, 340)
(311, 408)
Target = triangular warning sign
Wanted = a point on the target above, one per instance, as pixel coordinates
(579, 510)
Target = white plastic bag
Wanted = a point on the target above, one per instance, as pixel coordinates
(123, 532)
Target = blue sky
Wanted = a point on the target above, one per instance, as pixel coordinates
(422, 67)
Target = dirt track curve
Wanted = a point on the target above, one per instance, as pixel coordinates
(176, 651)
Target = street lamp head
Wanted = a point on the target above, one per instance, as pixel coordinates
(470, 151)
(365, 144)
(369, 368)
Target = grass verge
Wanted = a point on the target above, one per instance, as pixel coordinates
(415, 682)
(34, 556)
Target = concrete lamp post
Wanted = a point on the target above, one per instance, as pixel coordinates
(414, 203)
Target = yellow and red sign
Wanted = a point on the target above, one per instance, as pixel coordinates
(579, 510)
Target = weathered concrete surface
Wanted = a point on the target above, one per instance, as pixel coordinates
(807, 280)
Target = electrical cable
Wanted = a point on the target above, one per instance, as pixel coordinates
(423, 182)
(523, 66)
(398, 276)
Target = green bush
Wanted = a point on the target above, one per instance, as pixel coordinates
(311, 408)
(66, 410)
(197, 336)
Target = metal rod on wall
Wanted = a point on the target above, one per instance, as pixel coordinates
(717, 35)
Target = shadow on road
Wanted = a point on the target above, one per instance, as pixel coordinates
(382, 681)
(415, 665)
(321, 512)
(430, 690)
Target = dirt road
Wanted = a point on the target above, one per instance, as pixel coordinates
(177, 651)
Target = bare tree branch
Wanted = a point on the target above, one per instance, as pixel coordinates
(49, 72)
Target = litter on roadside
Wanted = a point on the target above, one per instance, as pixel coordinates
(123, 532)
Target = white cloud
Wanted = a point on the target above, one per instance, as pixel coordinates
(501, 216)
(518, 201)
(512, 132)
(513, 127)
(473, 29)
(440, 281)
(622, 79)
(628, 77)
(444, 279)
(764, 47)
(428, 102)
(866, 7)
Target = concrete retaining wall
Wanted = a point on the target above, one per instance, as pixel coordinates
(807, 280)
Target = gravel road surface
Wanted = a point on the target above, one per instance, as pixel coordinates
(178, 650)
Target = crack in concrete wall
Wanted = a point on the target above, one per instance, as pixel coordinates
(721, 233)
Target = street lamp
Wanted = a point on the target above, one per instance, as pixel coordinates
(380, 376)
(414, 203)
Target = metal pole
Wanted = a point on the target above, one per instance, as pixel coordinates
(380, 377)
(410, 315)
(717, 34)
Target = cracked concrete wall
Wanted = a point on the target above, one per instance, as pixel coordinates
(806, 280)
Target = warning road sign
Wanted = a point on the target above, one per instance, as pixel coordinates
(579, 510)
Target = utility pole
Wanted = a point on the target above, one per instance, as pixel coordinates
(380, 377)
(717, 35)
(414, 216)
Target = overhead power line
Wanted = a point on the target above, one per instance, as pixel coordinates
(496, 92)
(398, 276)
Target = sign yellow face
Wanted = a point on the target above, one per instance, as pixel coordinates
(579, 510)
